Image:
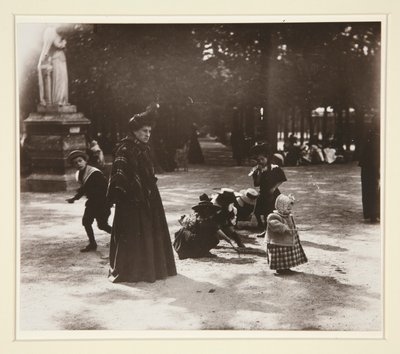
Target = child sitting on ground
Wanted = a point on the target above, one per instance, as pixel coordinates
(226, 216)
(244, 204)
(282, 238)
(199, 232)
(94, 186)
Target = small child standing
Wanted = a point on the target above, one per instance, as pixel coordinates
(94, 186)
(282, 238)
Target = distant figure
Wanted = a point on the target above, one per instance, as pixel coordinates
(181, 157)
(312, 152)
(53, 89)
(330, 154)
(195, 154)
(370, 176)
(292, 150)
(282, 239)
(106, 143)
(238, 144)
(237, 140)
(94, 186)
(96, 156)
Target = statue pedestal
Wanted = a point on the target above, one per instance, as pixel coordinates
(54, 131)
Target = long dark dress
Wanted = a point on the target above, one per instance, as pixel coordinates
(266, 180)
(140, 247)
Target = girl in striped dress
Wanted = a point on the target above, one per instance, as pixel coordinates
(284, 249)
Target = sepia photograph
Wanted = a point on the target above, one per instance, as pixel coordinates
(214, 176)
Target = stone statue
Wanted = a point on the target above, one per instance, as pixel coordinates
(52, 69)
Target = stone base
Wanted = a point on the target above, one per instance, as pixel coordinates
(53, 132)
(69, 108)
(51, 183)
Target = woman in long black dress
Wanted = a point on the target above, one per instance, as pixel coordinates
(140, 247)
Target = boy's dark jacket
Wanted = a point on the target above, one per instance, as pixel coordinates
(93, 185)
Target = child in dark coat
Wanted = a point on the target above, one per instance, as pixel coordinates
(200, 231)
(94, 186)
(226, 215)
(268, 177)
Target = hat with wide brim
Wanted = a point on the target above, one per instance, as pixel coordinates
(260, 149)
(249, 196)
(206, 206)
(225, 196)
(76, 153)
(278, 158)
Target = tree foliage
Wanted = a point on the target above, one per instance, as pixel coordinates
(199, 72)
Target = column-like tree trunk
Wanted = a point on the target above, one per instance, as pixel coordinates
(324, 125)
(339, 129)
(347, 129)
(302, 129)
(359, 131)
(294, 120)
(270, 118)
(285, 124)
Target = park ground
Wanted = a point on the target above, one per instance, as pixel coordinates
(339, 289)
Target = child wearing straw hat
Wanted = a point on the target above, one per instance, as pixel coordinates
(245, 201)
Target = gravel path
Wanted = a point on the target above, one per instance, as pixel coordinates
(339, 289)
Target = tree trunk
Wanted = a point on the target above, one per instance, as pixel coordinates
(359, 132)
(347, 129)
(339, 129)
(285, 124)
(311, 123)
(302, 130)
(294, 120)
(324, 124)
(270, 119)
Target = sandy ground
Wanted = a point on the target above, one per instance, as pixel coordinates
(338, 289)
